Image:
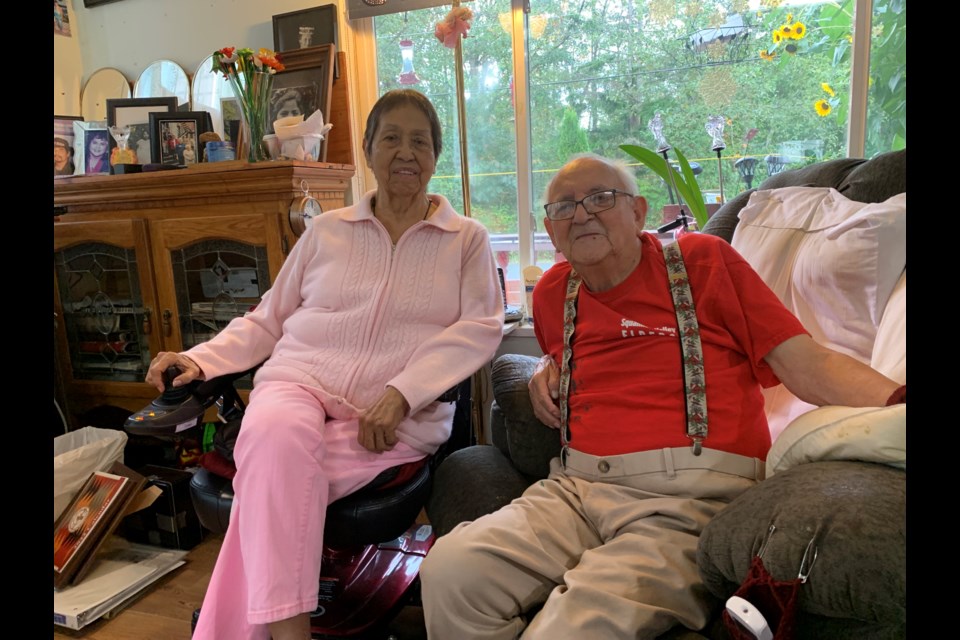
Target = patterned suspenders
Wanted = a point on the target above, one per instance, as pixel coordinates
(691, 351)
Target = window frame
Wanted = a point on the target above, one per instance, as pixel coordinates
(364, 43)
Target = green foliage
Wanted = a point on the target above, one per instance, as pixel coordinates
(685, 182)
(601, 70)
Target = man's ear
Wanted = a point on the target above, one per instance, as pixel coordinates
(640, 211)
(548, 225)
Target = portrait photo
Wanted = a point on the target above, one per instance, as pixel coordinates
(63, 137)
(305, 85)
(140, 141)
(292, 100)
(91, 148)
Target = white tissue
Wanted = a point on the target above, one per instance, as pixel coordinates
(300, 139)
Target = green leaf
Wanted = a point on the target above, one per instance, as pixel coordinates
(694, 196)
(686, 184)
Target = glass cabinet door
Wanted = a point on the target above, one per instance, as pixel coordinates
(219, 269)
(99, 297)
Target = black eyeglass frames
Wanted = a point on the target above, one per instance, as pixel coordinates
(593, 203)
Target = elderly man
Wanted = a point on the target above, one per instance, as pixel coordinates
(655, 388)
(62, 166)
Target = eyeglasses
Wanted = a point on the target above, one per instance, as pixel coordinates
(593, 203)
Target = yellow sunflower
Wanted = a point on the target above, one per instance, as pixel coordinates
(786, 31)
(799, 30)
(766, 55)
(828, 89)
(823, 108)
(777, 36)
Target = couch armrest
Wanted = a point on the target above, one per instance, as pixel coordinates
(470, 483)
(531, 443)
(855, 511)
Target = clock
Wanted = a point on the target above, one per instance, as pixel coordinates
(303, 209)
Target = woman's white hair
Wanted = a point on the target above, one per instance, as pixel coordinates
(625, 175)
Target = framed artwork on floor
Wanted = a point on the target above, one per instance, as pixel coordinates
(63, 157)
(175, 136)
(91, 148)
(132, 112)
(304, 86)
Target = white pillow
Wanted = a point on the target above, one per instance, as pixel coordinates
(890, 347)
(870, 434)
(832, 261)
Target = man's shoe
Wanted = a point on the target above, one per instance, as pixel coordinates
(193, 622)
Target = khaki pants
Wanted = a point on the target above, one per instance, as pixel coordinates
(607, 546)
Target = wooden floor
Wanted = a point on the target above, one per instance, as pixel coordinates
(165, 610)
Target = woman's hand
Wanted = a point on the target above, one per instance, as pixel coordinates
(544, 387)
(189, 370)
(378, 424)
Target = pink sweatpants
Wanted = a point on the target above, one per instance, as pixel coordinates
(291, 463)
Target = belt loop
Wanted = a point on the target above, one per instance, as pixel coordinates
(759, 469)
(668, 465)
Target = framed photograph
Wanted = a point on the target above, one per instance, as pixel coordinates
(63, 160)
(96, 3)
(304, 86)
(175, 136)
(91, 148)
(133, 112)
(305, 28)
(230, 108)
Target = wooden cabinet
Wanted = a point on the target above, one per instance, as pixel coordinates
(162, 261)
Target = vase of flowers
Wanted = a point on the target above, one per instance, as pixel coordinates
(251, 75)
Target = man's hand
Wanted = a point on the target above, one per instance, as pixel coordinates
(378, 424)
(544, 387)
(189, 370)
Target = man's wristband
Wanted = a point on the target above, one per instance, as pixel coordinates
(898, 397)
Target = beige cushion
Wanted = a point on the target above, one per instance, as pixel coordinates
(866, 434)
(834, 262)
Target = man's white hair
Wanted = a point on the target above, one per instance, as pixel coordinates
(625, 175)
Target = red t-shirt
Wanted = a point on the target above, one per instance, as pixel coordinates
(626, 387)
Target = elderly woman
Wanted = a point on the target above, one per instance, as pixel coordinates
(380, 308)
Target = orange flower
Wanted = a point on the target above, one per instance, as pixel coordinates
(270, 59)
(766, 55)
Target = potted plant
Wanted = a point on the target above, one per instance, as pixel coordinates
(684, 182)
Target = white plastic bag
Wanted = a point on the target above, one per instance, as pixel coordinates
(79, 453)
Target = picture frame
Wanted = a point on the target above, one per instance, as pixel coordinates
(319, 26)
(91, 148)
(133, 112)
(63, 151)
(308, 79)
(175, 137)
(96, 3)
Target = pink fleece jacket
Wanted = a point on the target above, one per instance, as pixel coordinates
(349, 314)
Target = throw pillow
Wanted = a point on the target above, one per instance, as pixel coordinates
(869, 434)
(890, 348)
(832, 261)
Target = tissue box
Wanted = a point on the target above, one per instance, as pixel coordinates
(171, 520)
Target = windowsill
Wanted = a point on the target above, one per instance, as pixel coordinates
(518, 330)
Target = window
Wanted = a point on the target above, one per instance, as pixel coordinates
(780, 73)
